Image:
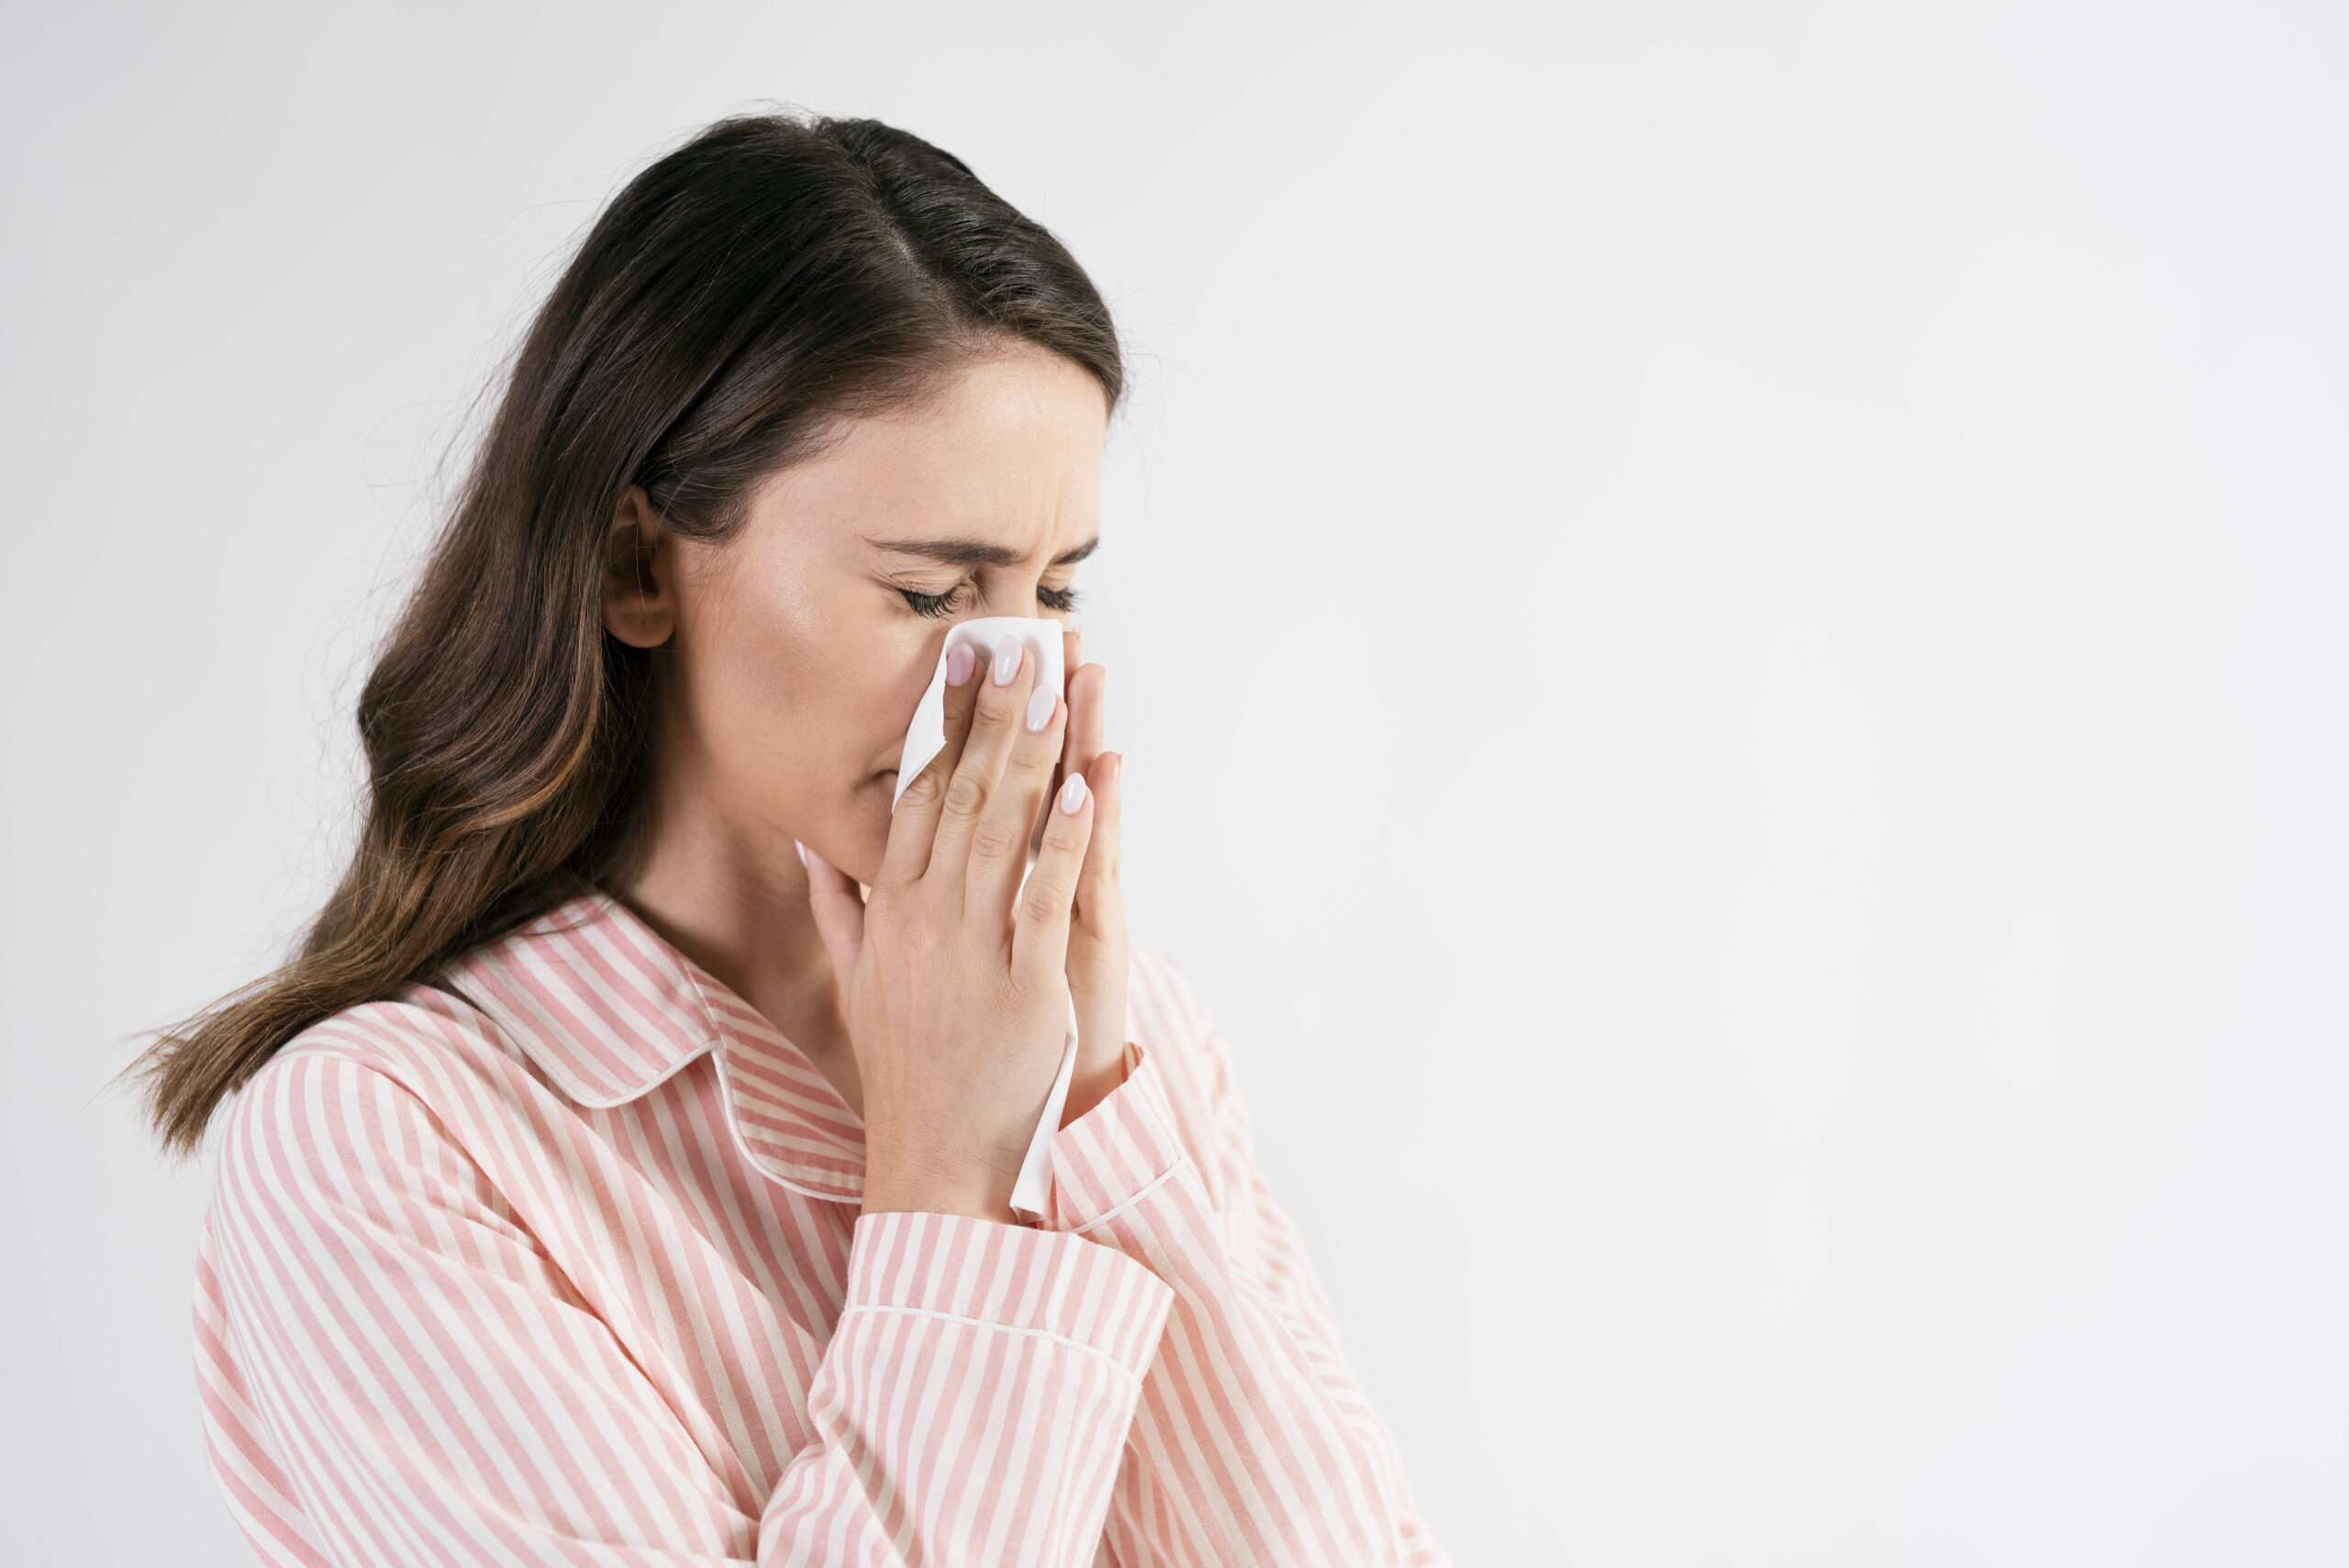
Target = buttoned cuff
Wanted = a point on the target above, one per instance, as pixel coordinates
(1117, 1152)
(952, 1267)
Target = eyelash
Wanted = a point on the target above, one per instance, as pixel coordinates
(942, 605)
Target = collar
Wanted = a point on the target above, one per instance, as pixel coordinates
(610, 1012)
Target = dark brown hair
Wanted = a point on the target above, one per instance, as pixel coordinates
(732, 305)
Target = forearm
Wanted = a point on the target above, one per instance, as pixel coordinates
(1252, 1441)
(974, 1401)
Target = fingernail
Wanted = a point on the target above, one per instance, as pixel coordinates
(959, 661)
(1007, 661)
(1039, 708)
(1071, 794)
(802, 849)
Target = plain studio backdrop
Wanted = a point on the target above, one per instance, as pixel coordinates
(1730, 621)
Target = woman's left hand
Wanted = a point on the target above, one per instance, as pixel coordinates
(1097, 932)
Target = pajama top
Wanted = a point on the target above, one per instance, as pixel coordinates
(557, 1260)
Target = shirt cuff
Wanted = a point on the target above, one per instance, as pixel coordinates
(1117, 1152)
(952, 1267)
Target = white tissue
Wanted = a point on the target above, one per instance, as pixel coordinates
(925, 737)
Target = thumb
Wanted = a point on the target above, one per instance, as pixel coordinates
(839, 913)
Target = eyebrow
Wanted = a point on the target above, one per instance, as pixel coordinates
(972, 553)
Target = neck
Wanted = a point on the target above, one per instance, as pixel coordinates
(732, 895)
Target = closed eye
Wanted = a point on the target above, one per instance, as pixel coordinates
(942, 607)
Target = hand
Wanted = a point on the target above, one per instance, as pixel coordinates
(1096, 938)
(953, 977)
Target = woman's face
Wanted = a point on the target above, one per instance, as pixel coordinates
(791, 656)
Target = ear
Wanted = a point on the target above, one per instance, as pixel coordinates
(640, 599)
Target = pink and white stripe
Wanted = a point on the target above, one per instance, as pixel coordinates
(558, 1261)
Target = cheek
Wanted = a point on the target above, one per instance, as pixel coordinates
(802, 698)
(752, 665)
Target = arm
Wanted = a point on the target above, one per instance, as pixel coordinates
(1253, 1442)
(434, 1391)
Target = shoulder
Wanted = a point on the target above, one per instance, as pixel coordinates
(1166, 1018)
(1163, 1012)
(371, 1159)
(424, 1038)
(375, 1087)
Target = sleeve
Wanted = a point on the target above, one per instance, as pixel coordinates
(1254, 1443)
(421, 1386)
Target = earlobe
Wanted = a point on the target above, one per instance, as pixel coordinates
(638, 604)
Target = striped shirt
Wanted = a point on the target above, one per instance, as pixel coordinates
(558, 1261)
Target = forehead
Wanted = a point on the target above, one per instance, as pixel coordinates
(1007, 452)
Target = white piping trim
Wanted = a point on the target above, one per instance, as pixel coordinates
(1134, 1197)
(998, 1328)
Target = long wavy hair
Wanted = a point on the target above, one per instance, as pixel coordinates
(741, 296)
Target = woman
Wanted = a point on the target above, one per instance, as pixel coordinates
(612, 1181)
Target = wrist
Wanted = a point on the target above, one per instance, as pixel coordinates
(974, 1189)
(1095, 1081)
(960, 1206)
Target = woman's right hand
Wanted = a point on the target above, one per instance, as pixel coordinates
(953, 978)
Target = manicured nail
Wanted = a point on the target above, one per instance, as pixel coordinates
(802, 849)
(959, 663)
(1071, 794)
(1039, 708)
(1007, 661)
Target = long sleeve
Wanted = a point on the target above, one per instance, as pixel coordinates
(1254, 1443)
(397, 1373)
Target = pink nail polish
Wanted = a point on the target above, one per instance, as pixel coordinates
(1007, 661)
(1039, 708)
(960, 661)
(1071, 794)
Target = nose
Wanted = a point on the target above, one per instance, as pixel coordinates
(1013, 599)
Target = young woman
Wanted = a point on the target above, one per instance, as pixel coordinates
(613, 1181)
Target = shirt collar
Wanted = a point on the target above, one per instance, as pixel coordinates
(609, 1011)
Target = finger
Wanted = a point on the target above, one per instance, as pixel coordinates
(1071, 650)
(1088, 685)
(1100, 899)
(840, 914)
(1088, 693)
(1000, 846)
(914, 825)
(966, 829)
(1040, 927)
(1097, 941)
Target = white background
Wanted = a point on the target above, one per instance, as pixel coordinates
(1801, 1009)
